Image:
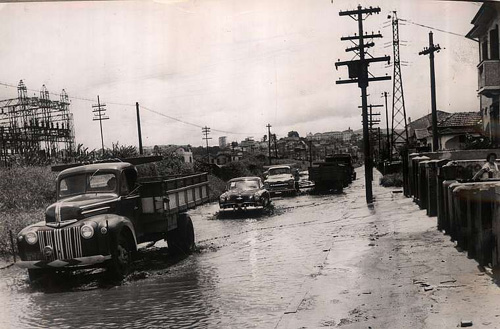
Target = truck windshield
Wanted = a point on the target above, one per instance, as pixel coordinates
(244, 185)
(279, 171)
(98, 182)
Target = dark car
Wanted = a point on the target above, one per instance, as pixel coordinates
(244, 192)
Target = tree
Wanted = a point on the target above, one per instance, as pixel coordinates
(293, 133)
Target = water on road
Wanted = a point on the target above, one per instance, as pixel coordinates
(247, 273)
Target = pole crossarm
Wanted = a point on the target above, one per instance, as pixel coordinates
(357, 48)
(370, 10)
(366, 60)
(341, 82)
(366, 36)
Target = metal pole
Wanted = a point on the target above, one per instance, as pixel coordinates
(139, 128)
(435, 140)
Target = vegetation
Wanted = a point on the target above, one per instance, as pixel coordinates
(392, 180)
(24, 194)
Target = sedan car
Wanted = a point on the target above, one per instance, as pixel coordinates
(244, 192)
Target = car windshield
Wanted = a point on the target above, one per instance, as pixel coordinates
(97, 182)
(279, 171)
(244, 185)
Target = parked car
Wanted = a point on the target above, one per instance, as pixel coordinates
(281, 179)
(244, 192)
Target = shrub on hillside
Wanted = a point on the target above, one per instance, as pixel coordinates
(26, 188)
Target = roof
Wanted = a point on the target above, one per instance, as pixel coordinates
(244, 178)
(276, 167)
(426, 120)
(482, 19)
(461, 119)
(108, 166)
(422, 133)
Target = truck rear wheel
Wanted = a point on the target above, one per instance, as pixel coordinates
(121, 258)
(181, 240)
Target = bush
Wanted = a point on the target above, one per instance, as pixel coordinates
(26, 188)
(392, 180)
(216, 187)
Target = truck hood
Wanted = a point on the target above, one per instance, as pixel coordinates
(75, 208)
(279, 178)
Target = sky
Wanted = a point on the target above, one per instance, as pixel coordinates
(232, 65)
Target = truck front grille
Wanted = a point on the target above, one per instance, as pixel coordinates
(66, 243)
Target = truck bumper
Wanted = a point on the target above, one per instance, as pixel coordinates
(74, 262)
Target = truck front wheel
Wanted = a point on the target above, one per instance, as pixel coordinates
(121, 258)
(181, 240)
(37, 274)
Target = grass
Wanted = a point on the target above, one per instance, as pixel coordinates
(24, 194)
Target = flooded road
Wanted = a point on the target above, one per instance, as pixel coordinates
(247, 272)
(313, 262)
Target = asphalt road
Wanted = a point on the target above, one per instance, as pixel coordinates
(312, 262)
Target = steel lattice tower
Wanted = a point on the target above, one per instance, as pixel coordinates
(399, 125)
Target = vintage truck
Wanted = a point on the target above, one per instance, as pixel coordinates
(335, 173)
(103, 211)
(281, 179)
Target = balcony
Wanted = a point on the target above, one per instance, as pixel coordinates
(489, 77)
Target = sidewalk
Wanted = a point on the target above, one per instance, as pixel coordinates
(389, 267)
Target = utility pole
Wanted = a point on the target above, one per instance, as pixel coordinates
(389, 150)
(99, 111)
(358, 73)
(206, 130)
(310, 153)
(269, 140)
(139, 128)
(275, 146)
(430, 51)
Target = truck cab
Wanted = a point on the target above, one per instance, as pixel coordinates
(103, 211)
(281, 179)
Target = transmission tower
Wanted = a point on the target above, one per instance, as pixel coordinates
(399, 125)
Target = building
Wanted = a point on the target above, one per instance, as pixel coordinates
(184, 152)
(223, 142)
(486, 32)
(418, 133)
(454, 129)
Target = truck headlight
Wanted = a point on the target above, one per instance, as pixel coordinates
(31, 237)
(87, 231)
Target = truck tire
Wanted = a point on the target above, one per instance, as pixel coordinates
(121, 257)
(37, 274)
(181, 240)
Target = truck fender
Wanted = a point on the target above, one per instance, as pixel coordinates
(115, 225)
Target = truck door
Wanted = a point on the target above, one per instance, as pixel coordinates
(130, 200)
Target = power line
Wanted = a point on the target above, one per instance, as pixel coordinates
(432, 28)
(145, 108)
